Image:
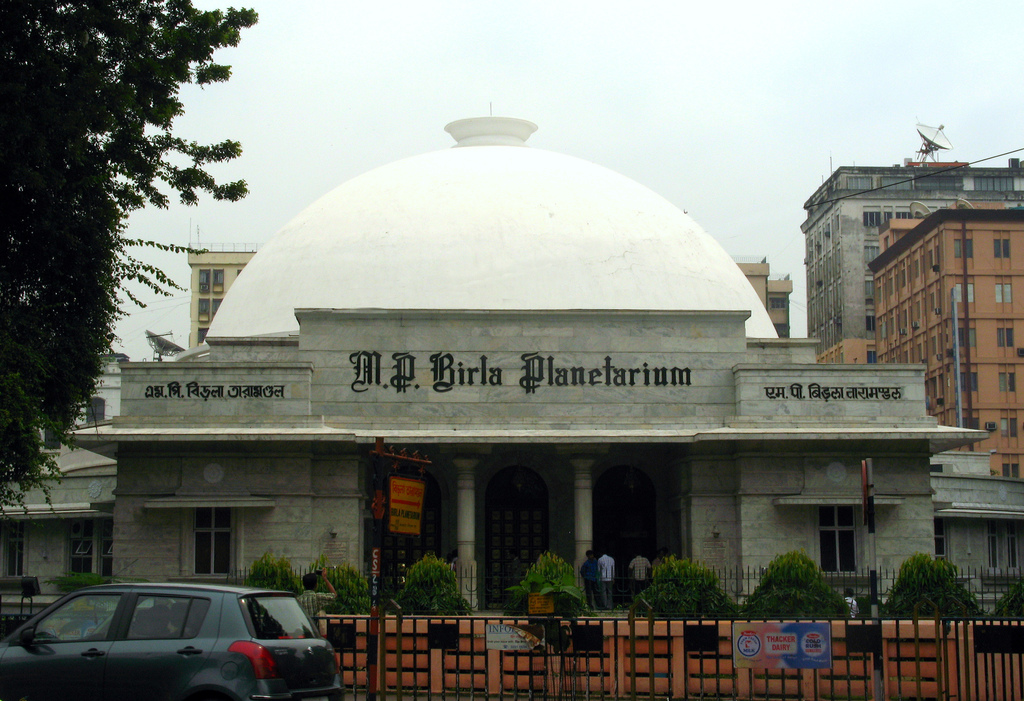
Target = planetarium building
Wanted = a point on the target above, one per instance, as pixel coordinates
(582, 365)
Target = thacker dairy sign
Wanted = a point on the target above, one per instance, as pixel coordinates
(444, 372)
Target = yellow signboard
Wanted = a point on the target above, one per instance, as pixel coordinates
(540, 604)
(405, 505)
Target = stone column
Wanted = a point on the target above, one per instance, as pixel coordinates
(584, 502)
(466, 529)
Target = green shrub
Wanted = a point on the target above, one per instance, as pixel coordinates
(72, 581)
(350, 586)
(549, 575)
(1012, 602)
(431, 588)
(686, 588)
(270, 572)
(933, 584)
(793, 585)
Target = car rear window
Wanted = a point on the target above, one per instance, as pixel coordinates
(278, 617)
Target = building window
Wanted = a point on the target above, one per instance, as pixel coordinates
(870, 253)
(1007, 428)
(971, 337)
(204, 307)
(218, 278)
(91, 546)
(213, 540)
(202, 333)
(1007, 382)
(940, 182)
(858, 182)
(204, 280)
(97, 410)
(993, 184)
(940, 538)
(1011, 469)
(1004, 293)
(836, 537)
(14, 548)
(959, 246)
(1002, 544)
(215, 306)
(872, 357)
(869, 322)
(1004, 337)
(777, 302)
(958, 292)
(1001, 248)
(969, 381)
(872, 218)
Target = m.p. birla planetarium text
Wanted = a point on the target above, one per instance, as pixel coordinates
(443, 372)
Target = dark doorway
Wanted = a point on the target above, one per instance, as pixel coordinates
(400, 552)
(625, 520)
(516, 530)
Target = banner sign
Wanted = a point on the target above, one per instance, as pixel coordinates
(505, 637)
(782, 645)
(405, 505)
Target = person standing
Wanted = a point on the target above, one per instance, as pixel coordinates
(606, 567)
(311, 600)
(639, 573)
(591, 578)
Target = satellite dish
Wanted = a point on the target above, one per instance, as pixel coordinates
(162, 346)
(919, 210)
(932, 140)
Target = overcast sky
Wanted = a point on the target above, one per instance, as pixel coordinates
(735, 112)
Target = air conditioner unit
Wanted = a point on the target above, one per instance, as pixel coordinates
(940, 401)
(935, 268)
(1020, 352)
(938, 310)
(903, 331)
(990, 425)
(938, 356)
(204, 287)
(915, 325)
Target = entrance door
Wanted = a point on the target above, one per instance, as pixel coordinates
(517, 528)
(625, 520)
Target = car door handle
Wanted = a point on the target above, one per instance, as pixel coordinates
(190, 651)
(93, 652)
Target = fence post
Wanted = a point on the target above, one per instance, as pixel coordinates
(632, 648)
(393, 605)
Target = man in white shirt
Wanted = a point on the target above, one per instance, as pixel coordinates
(606, 566)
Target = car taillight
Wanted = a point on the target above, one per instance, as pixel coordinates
(264, 666)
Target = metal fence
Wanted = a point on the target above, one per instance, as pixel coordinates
(619, 658)
(987, 584)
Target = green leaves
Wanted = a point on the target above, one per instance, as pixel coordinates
(88, 95)
(794, 585)
(929, 585)
(549, 575)
(687, 588)
(431, 588)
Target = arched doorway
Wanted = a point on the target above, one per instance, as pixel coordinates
(625, 519)
(517, 527)
(400, 552)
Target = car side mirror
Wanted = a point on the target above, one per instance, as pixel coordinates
(27, 636)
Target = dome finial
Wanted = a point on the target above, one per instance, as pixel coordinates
(491, 131)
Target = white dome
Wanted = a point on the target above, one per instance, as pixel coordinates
(487, 227)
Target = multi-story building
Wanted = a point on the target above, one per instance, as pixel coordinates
(972, 357)
(841, 232)
(773, 291)
(213, 273)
